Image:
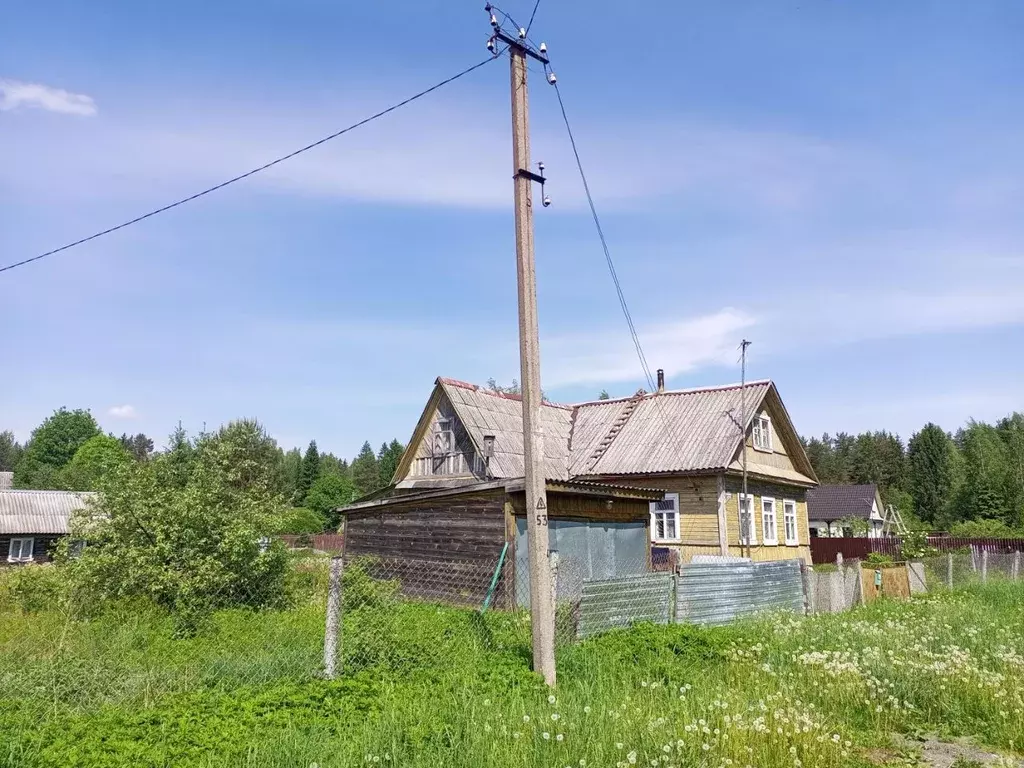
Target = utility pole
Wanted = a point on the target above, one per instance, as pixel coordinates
(748, 521)
(542, 608)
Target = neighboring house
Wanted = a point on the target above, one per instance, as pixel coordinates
(31, 522)
(6, 481)
(686, 444)
(845, 510)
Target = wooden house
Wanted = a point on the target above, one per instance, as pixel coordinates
(662, 468)
(835, 511)
(31, 522)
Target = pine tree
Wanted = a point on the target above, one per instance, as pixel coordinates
(932, 473)
(310, 472)
(365, 472)
(388, 458)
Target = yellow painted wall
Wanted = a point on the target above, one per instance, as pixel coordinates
(698, 505)
(779, 456)
(761, 551)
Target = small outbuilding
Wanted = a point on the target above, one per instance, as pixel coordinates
(31, 523)
(835, 511)
(470, 540)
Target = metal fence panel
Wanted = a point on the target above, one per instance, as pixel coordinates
(621, 602)
(719, 594)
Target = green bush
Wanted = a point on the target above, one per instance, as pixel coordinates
(878, 558)
(300, 520)
(30, 589)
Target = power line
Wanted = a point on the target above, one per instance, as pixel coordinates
(252, 172)
(530, 22)
(604, 245)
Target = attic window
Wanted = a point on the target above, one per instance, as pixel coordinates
(444, 438)
(762, 433)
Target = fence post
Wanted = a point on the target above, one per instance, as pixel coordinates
(553, 557)
(839, 559)
(860, 585)
(974, 558)
(331, 631)
(805, 582)
(949, 570)
(984, 566)
(1016, 565)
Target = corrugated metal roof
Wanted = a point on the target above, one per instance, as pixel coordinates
(836, 502)
(483, 412)
(681, 431)
(39, 511)
(6, 480)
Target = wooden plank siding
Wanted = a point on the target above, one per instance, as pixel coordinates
(761, 552)
(42, 547)
(444, 549)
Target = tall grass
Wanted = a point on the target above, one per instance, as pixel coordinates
(430, 686)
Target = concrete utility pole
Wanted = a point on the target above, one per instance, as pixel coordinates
(743, 436)
(542, 608)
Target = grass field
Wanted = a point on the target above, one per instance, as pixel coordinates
(429, 686)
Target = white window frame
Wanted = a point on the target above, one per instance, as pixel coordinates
(740, 498)
(789, 513)
(773, 540)
(762, 426)
(449, 436)
(22, 541)
(674, 512)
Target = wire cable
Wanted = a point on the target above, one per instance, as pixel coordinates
(252, 172)
(604, 245)
(530, 22)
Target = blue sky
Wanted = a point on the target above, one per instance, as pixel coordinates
(840, 183)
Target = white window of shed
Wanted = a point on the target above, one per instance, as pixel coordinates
(21, 550)
(665, 518)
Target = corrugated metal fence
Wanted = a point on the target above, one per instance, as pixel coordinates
(712, 593)
(720, 593)
(623, 601)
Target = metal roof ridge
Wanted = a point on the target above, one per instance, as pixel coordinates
(691, 391)
(503, 395)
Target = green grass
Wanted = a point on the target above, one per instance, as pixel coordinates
(430, 686)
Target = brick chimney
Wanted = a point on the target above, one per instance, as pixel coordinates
(661, 380)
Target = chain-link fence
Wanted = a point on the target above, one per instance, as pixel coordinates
(962, 569)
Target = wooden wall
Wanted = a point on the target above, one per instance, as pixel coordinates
(445, 549)
(41, 549)
(566, 506)
(780, 492)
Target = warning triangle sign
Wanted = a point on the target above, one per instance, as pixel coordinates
(540, 503)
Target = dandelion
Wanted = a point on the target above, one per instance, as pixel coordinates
(546, 736)
(586, 710)
(631, 758)
(526, 718)
(551, 699)
(560, 737)
(555, 716)
(516, 734)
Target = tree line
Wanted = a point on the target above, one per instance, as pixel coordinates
(970, 482)
(69, 451)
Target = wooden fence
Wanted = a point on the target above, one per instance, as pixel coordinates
(857, 548)
(324, 542)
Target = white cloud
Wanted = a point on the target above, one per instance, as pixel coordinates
(677, 347)
(15, 94)
(123, 412)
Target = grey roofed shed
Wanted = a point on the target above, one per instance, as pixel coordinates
(42, 512)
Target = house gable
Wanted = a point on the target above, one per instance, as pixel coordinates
(441, 447)
(785, 459)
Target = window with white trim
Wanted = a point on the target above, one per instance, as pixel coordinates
(789, 522)
(748, 533)
(761, 433)
(769, 524)
(21, 550)
(665, 519)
